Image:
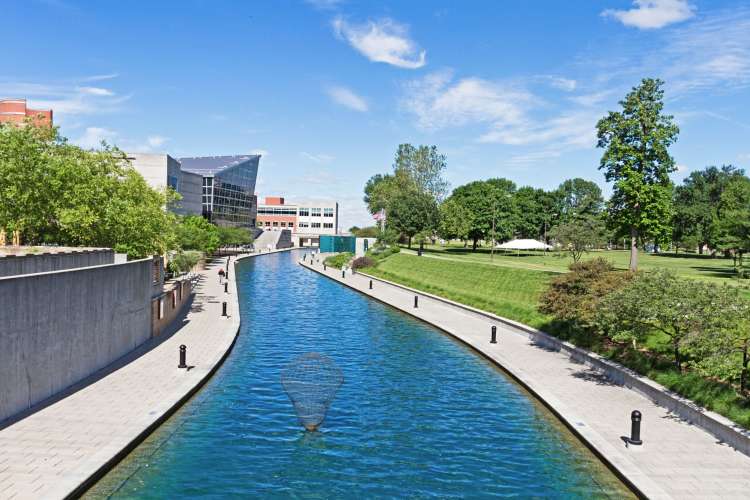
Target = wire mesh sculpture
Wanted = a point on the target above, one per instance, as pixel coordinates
(311, 381)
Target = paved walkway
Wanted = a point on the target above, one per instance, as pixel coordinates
(677, 460)
(51, 453)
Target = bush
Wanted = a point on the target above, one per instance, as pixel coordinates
(382, 252)
(362, 262)
(573, 298)
(339, 260)
(182, 262)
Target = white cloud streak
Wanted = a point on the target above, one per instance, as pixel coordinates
(653, 14)
(347, 98)
(383, 41)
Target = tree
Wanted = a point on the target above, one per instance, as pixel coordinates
(578, 198)
(56, 192)
(485, 201)
(196, 233)
(410, 213)
(379, 189)
(234, 236)
(366, 232)
(532, 209)
(455, 220)
(636, 159)
(733, 225)
(421, 168)
(579, 236)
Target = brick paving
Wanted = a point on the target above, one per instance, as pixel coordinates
(677, 459)
(50, 453)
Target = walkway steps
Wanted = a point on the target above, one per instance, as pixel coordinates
(677, 460)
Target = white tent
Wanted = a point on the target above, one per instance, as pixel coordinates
(524, 245)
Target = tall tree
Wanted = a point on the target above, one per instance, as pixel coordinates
(421, 168)
(579, 198)
(412, 212)
(455, 220)
(379, 189)
(487, 202)
(636, 159)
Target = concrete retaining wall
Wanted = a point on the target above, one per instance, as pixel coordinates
(168, 305)
(59, 327)
(11, 265)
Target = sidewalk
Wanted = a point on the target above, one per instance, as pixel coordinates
(677, 460)
(54, 452)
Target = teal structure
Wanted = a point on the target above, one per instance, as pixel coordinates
(337, 244)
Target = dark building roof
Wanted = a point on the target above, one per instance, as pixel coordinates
(210, 165)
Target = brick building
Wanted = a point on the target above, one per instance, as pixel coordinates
(16, 111)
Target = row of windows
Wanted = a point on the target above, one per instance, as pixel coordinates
(276, 224)
(277, 211)
(314, 225)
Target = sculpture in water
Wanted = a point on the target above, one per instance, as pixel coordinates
(311, 382)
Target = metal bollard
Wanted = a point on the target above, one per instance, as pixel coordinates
(493, 339)
(370, 284)
(635, 428)
(416, 301)
(223, 308)
(304, 257)
(324, 266)
(226, 287)
(343, 274)
(183, 355)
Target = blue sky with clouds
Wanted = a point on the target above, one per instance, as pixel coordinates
(327, 89)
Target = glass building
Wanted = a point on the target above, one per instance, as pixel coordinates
(228, 188)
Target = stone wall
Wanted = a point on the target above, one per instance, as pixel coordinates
(29, 263)
(57, 328)
(168, 305)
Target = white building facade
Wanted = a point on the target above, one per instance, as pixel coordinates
(306, 220)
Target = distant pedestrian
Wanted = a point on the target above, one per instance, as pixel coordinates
(221, 274)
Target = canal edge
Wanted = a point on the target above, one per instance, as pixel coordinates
(628, 475)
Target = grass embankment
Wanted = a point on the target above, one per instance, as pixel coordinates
(514, 293)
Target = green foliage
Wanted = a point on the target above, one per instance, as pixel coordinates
(579, 236)
(382, 252)
(421, 169)
(55, 192)
(196, 233)
(411, 212)
(484, 201)
(365, 232)
(379, 189)
(182, 262)
(578, 198)
(574, 298)
(636, 159)
(455, 220)
(339, 260)
(234, 236)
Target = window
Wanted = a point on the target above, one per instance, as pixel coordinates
(328, 212)
(173, 182)
(275, 224)
(283, 224)
(315, 212)
(267, 224)
(328, 225)
(303, 224)
(291, 224)
(315, 224)
(304, 212)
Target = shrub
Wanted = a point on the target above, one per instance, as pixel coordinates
(382, 252)
(182, 262)
(362, 262)
(339, 260)
(573, 298)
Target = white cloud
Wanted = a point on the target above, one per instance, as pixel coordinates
(347, 98)
(438, 102)
(156, 141)
(525, 159)
(572, 129)
(653, 14)
(563, 83)
(383, 41)
(97, 78)
(681, 168)
(93, 137)
(317, 158)
(95, 91)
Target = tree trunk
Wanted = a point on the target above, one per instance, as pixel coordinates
(408, 245)
(474, 245)
(743, 373)
(633, 248)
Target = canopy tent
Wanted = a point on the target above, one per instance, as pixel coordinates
(524, 245)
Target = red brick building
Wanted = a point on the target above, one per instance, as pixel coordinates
(15, 111)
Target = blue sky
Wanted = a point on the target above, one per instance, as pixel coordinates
(327, 89)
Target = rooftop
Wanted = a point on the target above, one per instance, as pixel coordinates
(209, 165)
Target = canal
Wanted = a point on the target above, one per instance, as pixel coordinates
(419, 414)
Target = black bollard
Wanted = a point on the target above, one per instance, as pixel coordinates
(304, 258)
(324, 266)
(635, 428)
(226, 287)
(223, 308)
(183, 355)
(416, 301)
(370, 284)
(493, 339)
(343, 274)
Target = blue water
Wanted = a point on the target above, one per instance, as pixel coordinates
(419, 415)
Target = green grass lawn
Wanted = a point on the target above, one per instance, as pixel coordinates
(513, 293)
(703, 267)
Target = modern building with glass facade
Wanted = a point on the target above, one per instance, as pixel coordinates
(228, 197)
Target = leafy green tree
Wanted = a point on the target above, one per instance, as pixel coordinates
(579, 236)
(531, 209)
(733, 225)
(196, 233)
(366, 232)
(379, 189)
(421, 168)
(578, 198)
(455, 220)
(487, 201)
(636, 159)
(234, 236)
(411, 213)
